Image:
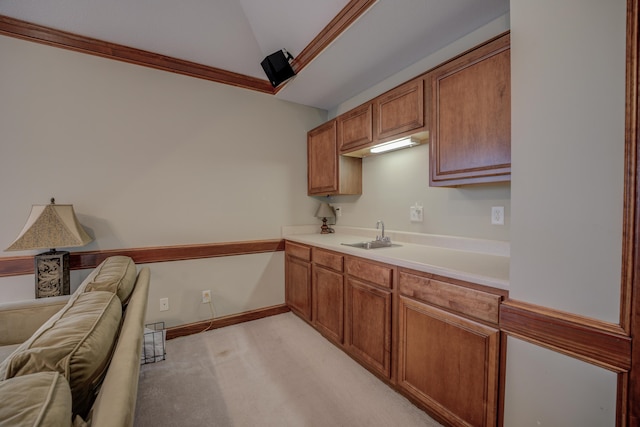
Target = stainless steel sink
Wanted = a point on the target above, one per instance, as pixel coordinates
(373, 244)
(380, 242)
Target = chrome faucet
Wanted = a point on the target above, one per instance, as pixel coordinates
(382, 238)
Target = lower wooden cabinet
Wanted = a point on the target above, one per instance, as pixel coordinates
(328, 303)
(368, 301)
(368, 325)
(437, 340)
(351, 308)
(449, 363)
(298, 279)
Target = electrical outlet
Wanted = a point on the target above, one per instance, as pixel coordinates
(497, 215)
(206, 296)
(164, 304)
(337, 210)
(416, 213)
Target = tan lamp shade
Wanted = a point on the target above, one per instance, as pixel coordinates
(325, 211)
(51, 226)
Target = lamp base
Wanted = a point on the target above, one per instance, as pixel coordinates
(52, 274)
(325, 229)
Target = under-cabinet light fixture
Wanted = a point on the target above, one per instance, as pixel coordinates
(394, 145)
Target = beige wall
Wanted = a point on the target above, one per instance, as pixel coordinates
(568, 105)
(151, 158)
(567, 74)
(545, 388)
(393, 182)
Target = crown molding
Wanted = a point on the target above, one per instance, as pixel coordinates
(52, 37)
(342, 21)
(40, 34)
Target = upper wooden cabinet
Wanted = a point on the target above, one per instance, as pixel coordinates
(355, 128)
(329, 173)
(399, 111)
(463, 107)
(394, 114)
(470, 131)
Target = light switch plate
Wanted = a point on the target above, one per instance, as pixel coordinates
(164, 304)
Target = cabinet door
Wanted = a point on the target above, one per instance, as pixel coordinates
(355, 128)
(368, 325)
(327, 172)
(298, 286)
(449, 363)
(328, 303)
(470, 133)
(400, 110)
(322, 159)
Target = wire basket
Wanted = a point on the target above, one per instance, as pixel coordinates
(153, 348)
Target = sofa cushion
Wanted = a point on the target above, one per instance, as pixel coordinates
(76, 342)
(41, 399)
(115, 274)
(6, 350)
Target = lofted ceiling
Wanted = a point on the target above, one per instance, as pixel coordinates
(371, 43)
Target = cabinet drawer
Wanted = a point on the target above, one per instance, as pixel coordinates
(469, 302)
(378, 274)
(298, 251)
(327, 259)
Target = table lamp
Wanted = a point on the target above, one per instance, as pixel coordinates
(325, 211)
(49, 227)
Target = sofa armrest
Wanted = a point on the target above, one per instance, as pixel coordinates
(116, 401)
(20, 319)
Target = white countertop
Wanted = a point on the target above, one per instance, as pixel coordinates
(477, 261)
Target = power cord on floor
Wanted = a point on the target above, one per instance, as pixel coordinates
(213, 315)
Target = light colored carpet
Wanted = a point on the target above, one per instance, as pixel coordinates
(276, 371)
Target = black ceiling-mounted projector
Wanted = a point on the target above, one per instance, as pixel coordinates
(277, 67)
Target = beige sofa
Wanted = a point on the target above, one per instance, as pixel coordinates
(75, 360)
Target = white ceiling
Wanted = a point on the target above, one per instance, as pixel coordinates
(235, 35)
